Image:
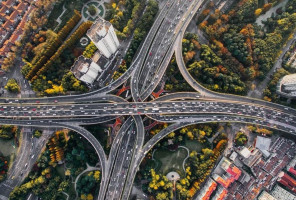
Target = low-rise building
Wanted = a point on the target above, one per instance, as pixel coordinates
(13, 16)
(232, 173)
(281, 194)
(287, 181)
(265, 171)
(207, 190)
(221, 193)
(265, 196)
(250, 157)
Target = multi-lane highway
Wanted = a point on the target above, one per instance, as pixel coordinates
(146, 71)
(86, 111)
(150, 71)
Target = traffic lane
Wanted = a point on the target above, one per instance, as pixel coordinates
(184, 16)
(161, 38)
(224, 118)
(145, 108)
(277, 117)
(135, 105)
(138, 70)
(155, 82)
(119, 164)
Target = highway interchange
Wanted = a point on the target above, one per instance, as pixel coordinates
(145, 73)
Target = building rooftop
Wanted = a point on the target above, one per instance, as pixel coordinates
(233, 156)
(289, 79)
(250, 157)
(265, 172)
(221, 193)
(13, 15)
(263, 143)
(207, 190)
(287, 86)
(281, 194)
(85, 70)
(99, 29)
(245, 152)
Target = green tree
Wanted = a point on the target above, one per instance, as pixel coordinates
(90, 50)
(37, 133)
(7, 131)
(240, 139)
(12, 86)
(92, 10)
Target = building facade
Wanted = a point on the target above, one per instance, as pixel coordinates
(102, 34)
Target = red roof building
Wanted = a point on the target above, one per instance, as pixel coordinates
(206, 192)
(13, 16)
(292, 171)
(285, 177)
(220, 194)
(233, 173)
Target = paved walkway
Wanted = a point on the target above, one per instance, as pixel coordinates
(58, 20)
(269, 13)
(88, 169)
(183, 165)
(97, 4)
(15, 73)
(173, 176)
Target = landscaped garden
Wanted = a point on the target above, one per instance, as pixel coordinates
(167, 160)
(65, 157)
(169, 154)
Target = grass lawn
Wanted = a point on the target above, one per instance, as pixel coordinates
(194, 145)
(170, 159)
(7, 147)
(101, 10)
(85, 12)
(61, 171)
(70, 6)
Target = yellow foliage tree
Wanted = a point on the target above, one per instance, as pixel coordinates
(90, 197)
(56, 89)
(258, 12)
(171, 135)
(190, 135)
(97, 175)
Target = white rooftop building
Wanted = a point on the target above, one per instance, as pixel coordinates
(266, 196)
(245, 152)
(280, 193)
(287, 86)
(102, 34)
(86, 70)
(263, 143)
